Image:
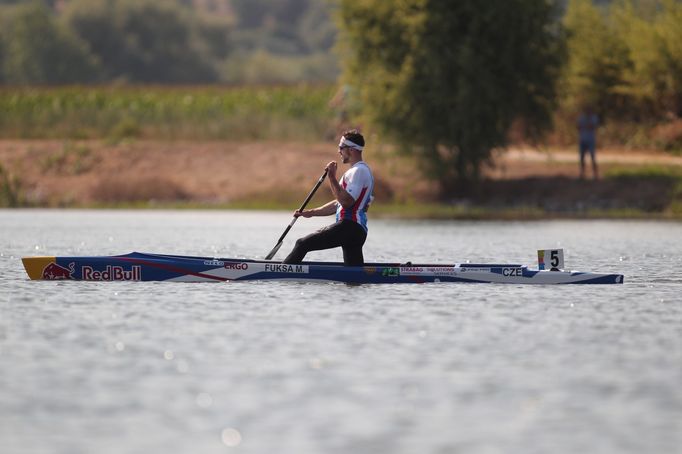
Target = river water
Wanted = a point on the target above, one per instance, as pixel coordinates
(267, 367)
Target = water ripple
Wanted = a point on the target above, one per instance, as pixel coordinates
(293, 368)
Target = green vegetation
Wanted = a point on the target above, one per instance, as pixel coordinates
(670, 177)
(38, 50)
(448, 79)
(624, 57)
(10, 190)
(203, 113)
(625, 60)
(650, 171)
(148, 41)
(72, 159)
(173, 41)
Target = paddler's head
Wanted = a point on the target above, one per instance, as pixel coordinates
(351, 145)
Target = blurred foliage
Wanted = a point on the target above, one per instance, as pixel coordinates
(147, 41)
(262, 67)
(294, 26)
(471, 65)
(206, 113)
(625, 60)
(72, 159)
(38, 50)
(10, 190)
(652, 32)
(597, 58)
(174, 41)
(447, 79)
(671, 175)
(282, 41)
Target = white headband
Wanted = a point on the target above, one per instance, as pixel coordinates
(347, 143)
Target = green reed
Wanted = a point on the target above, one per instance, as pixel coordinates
(160, 112)
(10, 190)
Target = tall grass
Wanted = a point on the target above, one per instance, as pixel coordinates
(670, 175)
(10, 190)
(180, 112)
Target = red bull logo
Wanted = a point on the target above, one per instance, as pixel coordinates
(112, 273)
(56, 272)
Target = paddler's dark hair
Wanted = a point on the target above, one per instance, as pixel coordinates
(354, 136)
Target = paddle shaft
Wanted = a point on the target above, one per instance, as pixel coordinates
(293, 221)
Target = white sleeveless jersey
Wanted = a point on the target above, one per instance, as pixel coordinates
(359, 183)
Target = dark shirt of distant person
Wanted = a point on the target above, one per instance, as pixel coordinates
(588, 122)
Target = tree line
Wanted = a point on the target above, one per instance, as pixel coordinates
(621, 56)
(446, 80)
(625, 59)
(174, 41)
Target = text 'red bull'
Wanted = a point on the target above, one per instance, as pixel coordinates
(112, 273)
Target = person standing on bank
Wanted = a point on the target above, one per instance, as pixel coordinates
(587, 131)
(352, 196)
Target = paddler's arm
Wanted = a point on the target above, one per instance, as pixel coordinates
(342, 196)
(325, 210)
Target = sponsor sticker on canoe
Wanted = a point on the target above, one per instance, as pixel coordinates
(370, 270)
(235, 266)
(214, 262)
(390, 272)
(472, 269)
(427, 270)
(112, 273)
(285, 268)
(411, 270)
(54, 272)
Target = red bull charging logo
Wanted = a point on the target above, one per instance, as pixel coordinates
(56, 272)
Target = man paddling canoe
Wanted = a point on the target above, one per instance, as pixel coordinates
(352, 196)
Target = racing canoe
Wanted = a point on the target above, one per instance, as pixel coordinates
(138, 266)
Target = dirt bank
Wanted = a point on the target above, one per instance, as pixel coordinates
(86, 173)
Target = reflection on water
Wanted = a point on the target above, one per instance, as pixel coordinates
(266, 367)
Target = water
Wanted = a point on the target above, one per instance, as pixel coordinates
(268, 367)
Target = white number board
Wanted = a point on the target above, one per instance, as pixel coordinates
(551, 259)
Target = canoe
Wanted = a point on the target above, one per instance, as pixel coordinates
(138, 266)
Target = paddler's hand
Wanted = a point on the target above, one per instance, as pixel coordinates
(331, 170)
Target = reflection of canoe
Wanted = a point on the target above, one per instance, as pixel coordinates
(156, 267)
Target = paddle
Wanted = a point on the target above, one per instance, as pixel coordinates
(293, 221)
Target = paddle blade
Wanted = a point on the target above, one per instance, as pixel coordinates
(274, 251)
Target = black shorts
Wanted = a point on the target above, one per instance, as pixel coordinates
(348, 235)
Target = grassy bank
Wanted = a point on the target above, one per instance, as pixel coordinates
(192, 113)
(614, 197)
(11, 193)
(277, 175)
(255, 148)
